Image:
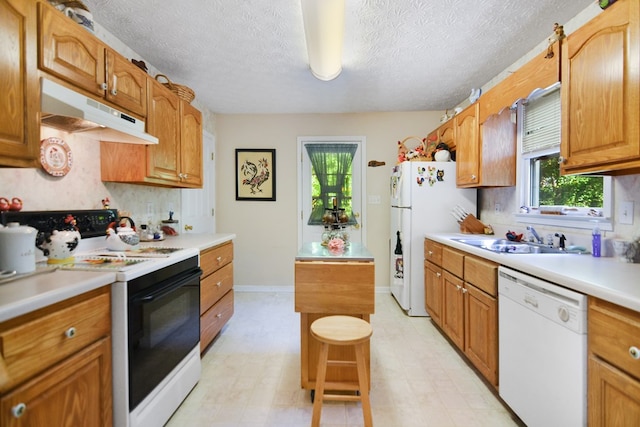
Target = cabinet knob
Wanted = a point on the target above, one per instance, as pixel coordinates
(634, 352)
(219, 259)
(561, 160)
(474, 178)
(19, 410)
(458, 287)
(465, 290)
(70, 333)
(103, 86)
(219, 315)
(430, 253)
(218, 284)
(438, 274)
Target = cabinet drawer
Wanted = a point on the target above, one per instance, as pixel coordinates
(35, 341)
(214, 258)
(481, 273)
(613, 330)
(214, 319)
(453, 261)
(433, 251)
(214, 286)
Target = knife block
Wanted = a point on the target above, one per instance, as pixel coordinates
(471, 225)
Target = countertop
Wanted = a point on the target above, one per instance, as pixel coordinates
(605, 278)
(37, 291)
(316, 252)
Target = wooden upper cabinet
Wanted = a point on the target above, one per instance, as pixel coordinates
(176, 161)
(498, 137)
(126, 84)
(466, 134)
(601, 93)
(70, 52)
(19, 128)
(191, 145)
(445, 134)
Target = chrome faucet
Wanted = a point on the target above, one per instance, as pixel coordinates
(535, 234)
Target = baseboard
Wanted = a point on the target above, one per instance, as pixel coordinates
(270, 289)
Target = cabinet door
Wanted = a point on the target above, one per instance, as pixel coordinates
(70, 52)
(19, 128)
(164, 123)
(126, 84)
(191, 141)
(467, 147)
(499, 137)
(481, 332)
(433, 282)
(600, 92)
(614, 397)
(453, 309)
(445, 134)
(76, 392)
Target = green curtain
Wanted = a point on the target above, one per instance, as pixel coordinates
(331, 181)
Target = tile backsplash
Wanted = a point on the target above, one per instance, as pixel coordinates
(82, 188)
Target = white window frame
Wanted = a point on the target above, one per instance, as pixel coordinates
(578, 220)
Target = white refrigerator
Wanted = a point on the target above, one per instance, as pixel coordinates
(423, 194)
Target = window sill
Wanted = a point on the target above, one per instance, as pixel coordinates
(571, 221)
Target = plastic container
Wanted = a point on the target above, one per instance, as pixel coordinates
(596, 242)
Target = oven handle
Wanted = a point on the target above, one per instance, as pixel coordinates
(165, 290)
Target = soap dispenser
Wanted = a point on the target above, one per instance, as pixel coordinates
(596, 242)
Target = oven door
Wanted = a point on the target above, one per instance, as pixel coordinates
(164, 326)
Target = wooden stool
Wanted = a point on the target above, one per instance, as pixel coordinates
(342, 331)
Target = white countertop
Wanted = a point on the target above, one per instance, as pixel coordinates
(34, 292)
(605, 278)
(316, 252)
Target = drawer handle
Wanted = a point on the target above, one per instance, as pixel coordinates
(634, 352)
(218, 284)
(70, 333)
(19, 410)
(219, 315)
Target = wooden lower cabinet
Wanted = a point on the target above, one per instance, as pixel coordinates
(613, 366)
(461, 297)
(332, 288)
(56, 364)
(216, 291)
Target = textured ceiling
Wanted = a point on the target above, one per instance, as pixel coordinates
(249, 56)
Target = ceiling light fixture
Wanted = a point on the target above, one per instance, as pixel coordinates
(324, 32)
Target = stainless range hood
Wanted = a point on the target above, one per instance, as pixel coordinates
(70, 111)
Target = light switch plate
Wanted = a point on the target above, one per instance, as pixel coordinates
(625, 212)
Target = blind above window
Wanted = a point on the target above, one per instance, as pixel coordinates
(541, 122)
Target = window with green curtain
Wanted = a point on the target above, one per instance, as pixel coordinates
(331, 178)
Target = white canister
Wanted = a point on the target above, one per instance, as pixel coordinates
(18, 248)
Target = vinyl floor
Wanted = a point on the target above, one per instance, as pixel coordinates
(251, 374)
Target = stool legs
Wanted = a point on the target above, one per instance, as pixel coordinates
(362, 381)
(320, 377)
(364, 385)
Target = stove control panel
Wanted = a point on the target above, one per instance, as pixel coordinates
(90, 223)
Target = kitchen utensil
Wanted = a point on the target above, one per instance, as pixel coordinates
(17, 248)
(122, 237)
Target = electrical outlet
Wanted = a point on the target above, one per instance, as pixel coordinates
(625, 212)
(374, 199)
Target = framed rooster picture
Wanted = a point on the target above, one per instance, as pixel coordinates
(255, 174)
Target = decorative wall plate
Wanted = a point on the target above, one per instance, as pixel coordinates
(55, 156)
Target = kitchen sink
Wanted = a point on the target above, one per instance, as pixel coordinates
(507, 246)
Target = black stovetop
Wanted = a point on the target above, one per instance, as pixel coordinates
(90, 223)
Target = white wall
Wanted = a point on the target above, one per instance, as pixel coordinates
(266, 243)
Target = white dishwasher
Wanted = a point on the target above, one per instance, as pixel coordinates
(542, 350)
